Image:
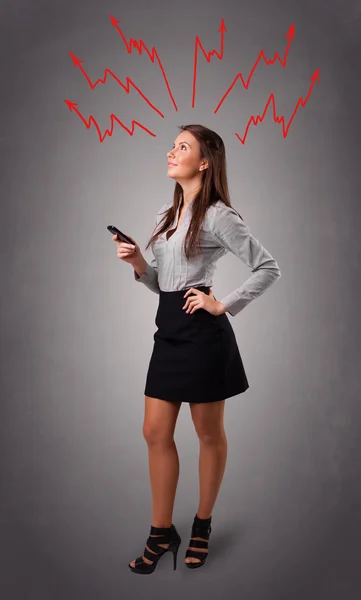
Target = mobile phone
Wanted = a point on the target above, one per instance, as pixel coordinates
(121, 236)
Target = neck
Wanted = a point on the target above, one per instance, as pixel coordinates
(190, 189)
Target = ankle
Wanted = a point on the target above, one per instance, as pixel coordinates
(203, 518)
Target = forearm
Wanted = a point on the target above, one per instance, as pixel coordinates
(146, 274)
(139, 266)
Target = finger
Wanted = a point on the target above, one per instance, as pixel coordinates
(124, 254)
(190, 307)
(125, 245)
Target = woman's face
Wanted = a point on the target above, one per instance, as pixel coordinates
(185, 157)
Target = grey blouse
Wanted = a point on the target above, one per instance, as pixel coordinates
(222, 230)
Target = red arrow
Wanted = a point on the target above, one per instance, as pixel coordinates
(258, 119)
(207, 56)
(291, 36)
(140, 47)
(72, 107)
(77, 63)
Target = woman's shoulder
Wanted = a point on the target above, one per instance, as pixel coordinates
(220, 210)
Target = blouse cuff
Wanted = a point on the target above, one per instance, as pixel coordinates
(234, 304)
(149, 278)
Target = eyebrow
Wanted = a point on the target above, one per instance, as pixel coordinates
(183, 143)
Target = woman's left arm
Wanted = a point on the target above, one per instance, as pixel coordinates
(234, 235)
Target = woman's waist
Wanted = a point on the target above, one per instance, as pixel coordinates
(202, 288)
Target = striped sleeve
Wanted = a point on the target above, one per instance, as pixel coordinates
(230, 231)
(150, 275)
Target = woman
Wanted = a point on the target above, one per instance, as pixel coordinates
(195, 356)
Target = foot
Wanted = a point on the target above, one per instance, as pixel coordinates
(191, 559)
(150, 562)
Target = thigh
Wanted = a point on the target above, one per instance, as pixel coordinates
(208, 417)
(160, 416)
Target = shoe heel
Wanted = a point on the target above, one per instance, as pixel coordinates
(174, 548)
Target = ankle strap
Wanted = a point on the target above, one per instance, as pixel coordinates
(159, 530)
(202, 521)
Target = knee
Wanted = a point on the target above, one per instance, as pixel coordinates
(214, 436)
(154, 434)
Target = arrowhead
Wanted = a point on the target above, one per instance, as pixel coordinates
(113, 20)
(315, 75)
(71, 105)
(222, 27)
(291, 32)
(76, 61)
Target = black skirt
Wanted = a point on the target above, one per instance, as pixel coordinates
(195, 356)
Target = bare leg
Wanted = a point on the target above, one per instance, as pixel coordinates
(212, 463)
(164, 473)
(208, 421)
(158, 430)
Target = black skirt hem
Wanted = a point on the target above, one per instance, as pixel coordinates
(225, 397)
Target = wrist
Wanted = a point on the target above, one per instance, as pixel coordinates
(221, 308)
(139, 265)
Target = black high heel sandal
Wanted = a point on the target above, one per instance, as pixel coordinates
(201, 528)
(167, 535)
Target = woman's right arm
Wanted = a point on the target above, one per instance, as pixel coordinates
(147, 273)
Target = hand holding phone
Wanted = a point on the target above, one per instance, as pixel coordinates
(121, 236)
(127, 248)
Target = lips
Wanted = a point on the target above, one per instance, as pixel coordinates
(171, 164)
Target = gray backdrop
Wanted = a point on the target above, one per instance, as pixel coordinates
(77, 331)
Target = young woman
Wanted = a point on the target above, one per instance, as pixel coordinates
(195, 356)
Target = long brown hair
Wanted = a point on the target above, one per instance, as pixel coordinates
(214, 187)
